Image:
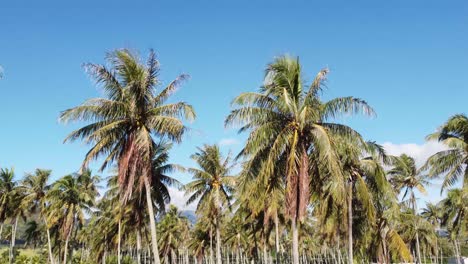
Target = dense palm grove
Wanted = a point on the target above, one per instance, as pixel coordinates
(304, 189)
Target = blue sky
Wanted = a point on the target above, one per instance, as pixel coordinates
(408, 59)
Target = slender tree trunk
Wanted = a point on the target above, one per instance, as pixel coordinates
(277, 236)
(295, 241)
(218, 231)
(385, 252)
(49, 244)
(418, 250)
(104, 256)
(350, 222)
(457, 252)
(13, 239)
(1, 231)
(154, 240)
(65, 251)
(119, 238)
(138, 240)
(211, 245)
(265, 255)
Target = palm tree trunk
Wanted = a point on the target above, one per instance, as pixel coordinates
(211, 246)
(418, 250)
(49, 244)
(350, 222)
(277, 236)
(457, 252)
(104, 256)
(119, 238)
(154, 240)
(385, 251)
(1, 231)
(13, 238)
(218, 232)
(295, 241)
(66, 245)
(138, 241)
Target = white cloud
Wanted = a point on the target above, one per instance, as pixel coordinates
(179, 199)
(419, 152)
(228, 142)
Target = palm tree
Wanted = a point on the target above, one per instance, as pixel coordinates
(173, 229)
(288, 120)
(432, 213)
(123, 124)
(452, 163)
(212, 184)
(406, 176)
(455, 215)
(7, 185)
(36, 187)
(11, 198)
(70, 198)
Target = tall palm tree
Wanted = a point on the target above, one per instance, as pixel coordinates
(36, 187)
(123, 125)
(287, 118)
(11, 198)
(432, 213)
(7, 186)
(70, 198)
(451, 163)
(212, 184)
(455, 215)
(174, 230)
(405, 175)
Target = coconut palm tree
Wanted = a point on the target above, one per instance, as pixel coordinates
(7, 186)
(11, 198)
(174, 231)
(455, 215)
(263, 196)
(70, 198)
(406, 176)
(123, 125)
(451, 163)
(432, 213)
(212, 184)
(36, 186)
(287, 118)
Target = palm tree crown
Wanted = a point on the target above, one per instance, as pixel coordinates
(123, 124)
(452, 163)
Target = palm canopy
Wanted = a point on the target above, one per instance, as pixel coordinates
(212, 179)
(122, 125)
(70, 198)
(287, 118)
(7, 189)
(455, 210)
(405, 176)
(451, 163)
(35, 186)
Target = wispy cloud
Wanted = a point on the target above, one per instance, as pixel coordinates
(420, 152)
(228, 142)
